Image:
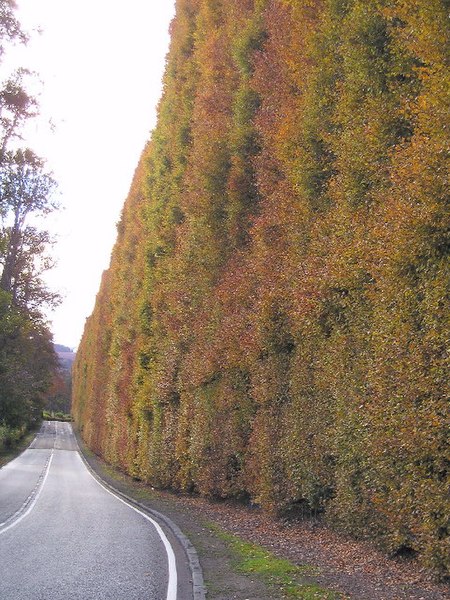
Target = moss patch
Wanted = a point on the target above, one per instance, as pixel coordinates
(289, 579)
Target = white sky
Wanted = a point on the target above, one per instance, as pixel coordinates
(101, 62)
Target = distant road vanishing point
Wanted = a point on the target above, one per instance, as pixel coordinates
(63, 535)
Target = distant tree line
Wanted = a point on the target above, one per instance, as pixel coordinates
(28, 362)
(59, 396)
(274, 322)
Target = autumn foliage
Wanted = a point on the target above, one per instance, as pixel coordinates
(273, 323)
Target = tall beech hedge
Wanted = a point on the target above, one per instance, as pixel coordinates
(273, 324)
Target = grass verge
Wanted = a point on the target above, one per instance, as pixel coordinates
(289, 579)
(9, 453)
(56, 416)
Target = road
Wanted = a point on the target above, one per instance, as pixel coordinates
(63, 535)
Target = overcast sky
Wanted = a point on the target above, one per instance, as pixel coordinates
(101, 63)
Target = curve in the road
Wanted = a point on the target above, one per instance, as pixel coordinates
(172, 585)
(27, 476)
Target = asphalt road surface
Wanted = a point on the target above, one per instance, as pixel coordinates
(64, 536)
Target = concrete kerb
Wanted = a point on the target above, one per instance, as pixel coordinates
(198, 584)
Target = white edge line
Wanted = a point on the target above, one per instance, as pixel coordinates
(172, 584)
(35, 499)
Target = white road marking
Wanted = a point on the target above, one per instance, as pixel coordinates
(19, 515)
(172, 584)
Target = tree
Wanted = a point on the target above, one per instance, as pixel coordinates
(27, 364)
(10, 28)
(16, 106)
(27, 357)
(25, 189)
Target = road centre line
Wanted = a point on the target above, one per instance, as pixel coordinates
(172, 583)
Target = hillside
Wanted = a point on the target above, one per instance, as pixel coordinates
(272, 326)
(66, 356)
